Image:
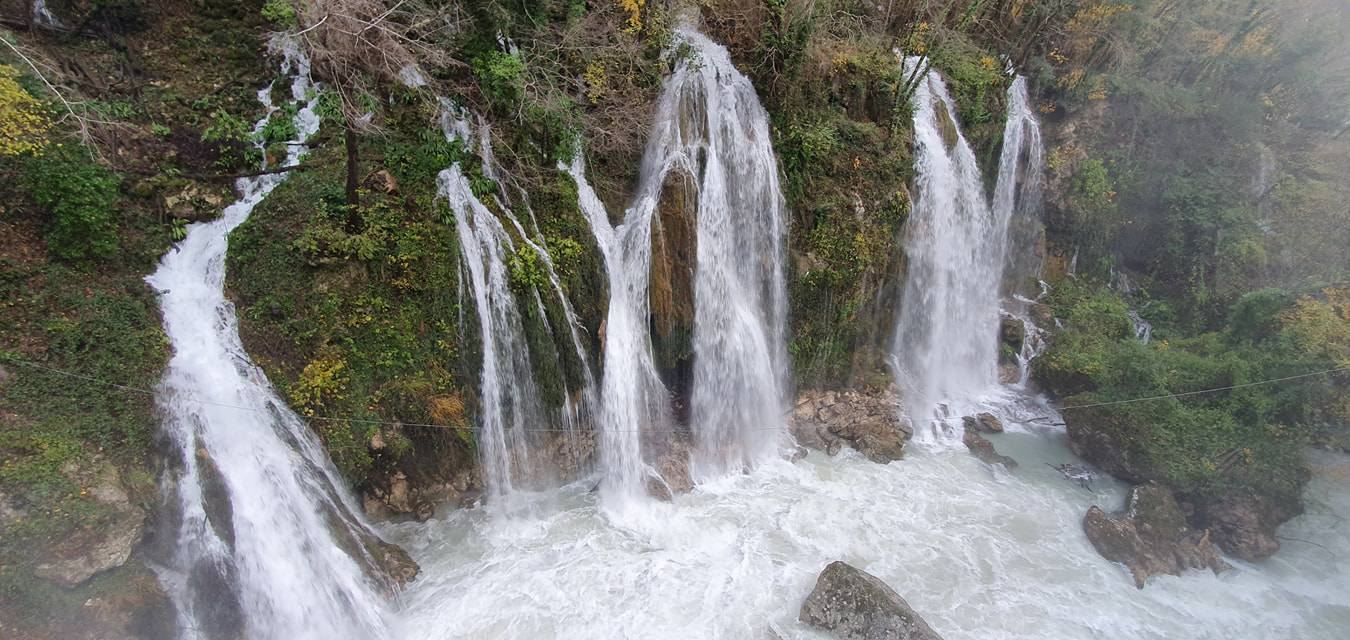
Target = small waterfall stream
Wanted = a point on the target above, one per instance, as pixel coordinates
(509, 399)
(711, 132)
(267, 537)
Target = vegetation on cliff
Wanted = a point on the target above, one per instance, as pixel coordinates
(1196, 147)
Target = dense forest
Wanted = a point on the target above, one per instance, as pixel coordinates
(1196, 190)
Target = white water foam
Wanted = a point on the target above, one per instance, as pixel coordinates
(981, 553)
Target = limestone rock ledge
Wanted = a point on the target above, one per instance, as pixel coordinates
(867, 422)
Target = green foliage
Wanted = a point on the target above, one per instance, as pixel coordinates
(233, 138)
(280, 126)
(360, 320)
(280, 13)
(1202, 445)
(527, 270)
(80, 196)
(501, 76)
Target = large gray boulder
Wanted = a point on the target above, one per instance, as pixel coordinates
(856, 605)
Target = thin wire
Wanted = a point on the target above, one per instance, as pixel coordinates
(1192, 393)
(152, 392)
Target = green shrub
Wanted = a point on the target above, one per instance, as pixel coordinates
(81, 197)
(280, 13)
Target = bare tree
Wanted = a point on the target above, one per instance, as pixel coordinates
(360, 48)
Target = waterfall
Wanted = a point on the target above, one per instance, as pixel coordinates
(510, 406)
(267, 538)
(710, 132)
(1019, 194)
(945, 343)
(43, 16)
(632, 394)
(1018, 202)
(960, 247)
(741, 370)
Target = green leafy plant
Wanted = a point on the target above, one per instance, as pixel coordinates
(80, 195)
(280, 13)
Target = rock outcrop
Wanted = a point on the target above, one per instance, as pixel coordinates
(672, 467)
(855, 605)
(1241, 522)
(979, 446)
(93, 550)
(1151, 536)
(867, 422)
(983, 422)
(1244, 524)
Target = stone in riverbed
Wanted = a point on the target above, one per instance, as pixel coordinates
(855, 605)
(984, 449)
(868, 422)
(1151, 536)
(1244, 524)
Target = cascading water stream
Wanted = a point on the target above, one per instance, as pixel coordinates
(510, 404)
(267, 537)
(740, 318)
(43, 16)
(1017, 206)
(710, 132)
(945, 346)
(632, 394)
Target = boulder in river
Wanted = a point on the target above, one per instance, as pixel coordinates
(868, 422)
(1151, 536)
(856, 605)
(983, 449)
(1243, 524)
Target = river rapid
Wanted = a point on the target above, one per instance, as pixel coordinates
(979, 551)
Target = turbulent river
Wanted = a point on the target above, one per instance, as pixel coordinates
(980, 553)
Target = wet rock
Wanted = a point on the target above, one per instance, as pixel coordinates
(93, 550)
(1244, 525)
(671, 468)
(1012, 333)
(983, 422)
(984, 449)
(853, 604)
(1096, 438)
(194, 202)
(218, 612)
(868, 422)
(215, 497)
(1151, 536)
(394, 561)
